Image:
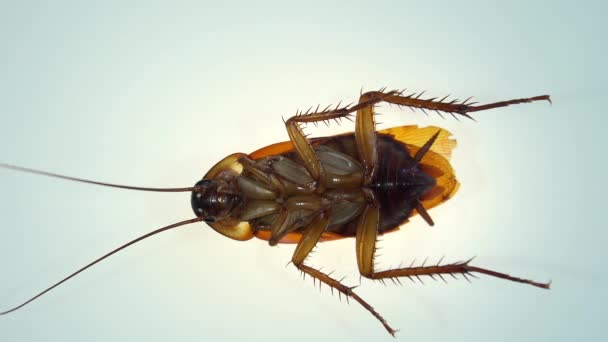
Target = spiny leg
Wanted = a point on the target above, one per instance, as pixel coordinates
(454, 106)
(308, 241)
(365, 134)
(302, 145)
(365, 129)
(367, 231)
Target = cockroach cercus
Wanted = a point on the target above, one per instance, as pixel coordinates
(304, 191)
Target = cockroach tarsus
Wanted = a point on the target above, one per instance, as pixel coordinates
(361, 184)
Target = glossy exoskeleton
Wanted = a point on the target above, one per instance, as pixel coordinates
(361, 184)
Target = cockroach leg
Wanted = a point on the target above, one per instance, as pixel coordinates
(366, 129)
(306, 152)
(281, 226)
(308, 241)
(367, 233)
(310, 238)
(509, 102)
(365, 134)
(264, 176)
(455, 268)
(297, 212)
(454, 106)
(347, 291)
(367, 230)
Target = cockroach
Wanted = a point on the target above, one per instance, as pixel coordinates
(304, 191)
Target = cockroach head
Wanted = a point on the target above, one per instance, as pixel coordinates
(213, 199)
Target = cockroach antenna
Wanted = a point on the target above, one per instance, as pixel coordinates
(116, 250)
(88, 181)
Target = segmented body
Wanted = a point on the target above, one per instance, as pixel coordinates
(397, 186)
(277, 184)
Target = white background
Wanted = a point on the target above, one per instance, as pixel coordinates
(154, 94)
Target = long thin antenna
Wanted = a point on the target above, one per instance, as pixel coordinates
(88, 181)
(171, 226)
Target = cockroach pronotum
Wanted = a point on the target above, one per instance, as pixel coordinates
(361, 184)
